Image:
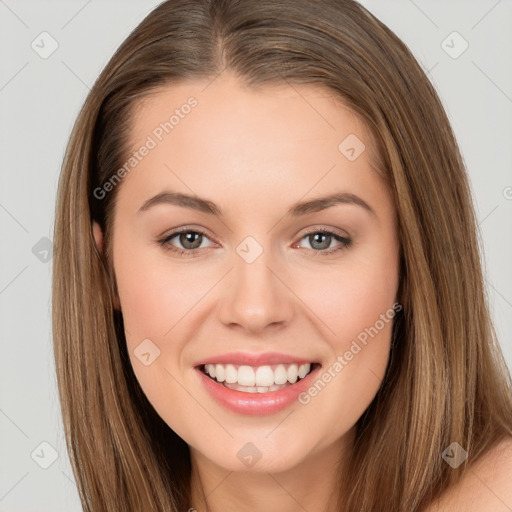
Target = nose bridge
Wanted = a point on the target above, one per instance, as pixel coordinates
(255, 297)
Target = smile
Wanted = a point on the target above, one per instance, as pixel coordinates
(257, 379)
(256, 390)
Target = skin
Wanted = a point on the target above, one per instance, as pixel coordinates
(255, 153)
(485, 485)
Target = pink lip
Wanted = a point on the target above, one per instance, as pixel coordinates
(246, 358)
(256, 404)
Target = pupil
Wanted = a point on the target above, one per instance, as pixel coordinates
(324, 245)
(188, 238)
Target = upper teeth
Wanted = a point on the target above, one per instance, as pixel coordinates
(257, 375)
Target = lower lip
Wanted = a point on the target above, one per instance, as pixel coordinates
(256, 404)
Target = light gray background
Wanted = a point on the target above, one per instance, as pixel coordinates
(39, 100)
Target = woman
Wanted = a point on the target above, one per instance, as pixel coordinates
(267, 285)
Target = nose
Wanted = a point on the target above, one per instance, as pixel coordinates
(255, 296)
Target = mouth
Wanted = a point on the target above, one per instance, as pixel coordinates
(258, 379)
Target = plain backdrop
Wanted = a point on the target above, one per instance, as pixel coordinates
(466, 46)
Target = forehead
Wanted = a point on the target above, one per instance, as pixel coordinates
(293, 112)
(220, 136)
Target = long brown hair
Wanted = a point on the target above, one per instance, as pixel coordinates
(446, 380)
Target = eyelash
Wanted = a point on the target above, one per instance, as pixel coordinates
(165, 242)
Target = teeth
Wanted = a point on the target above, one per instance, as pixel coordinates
(264, 376)
(255, 389)
(246, 376)
(293, 373)
(216, 371)
(231, 374)
(260, 378)
(303, 370)
(280, 375)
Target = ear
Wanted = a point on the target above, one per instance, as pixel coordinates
(98, 236)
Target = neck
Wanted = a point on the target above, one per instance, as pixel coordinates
(311, 485)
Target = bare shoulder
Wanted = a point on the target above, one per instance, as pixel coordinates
(486, 486)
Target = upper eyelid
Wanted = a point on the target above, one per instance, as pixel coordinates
(179, 231)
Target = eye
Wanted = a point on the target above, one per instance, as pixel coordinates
(191, 240)
(321, 239)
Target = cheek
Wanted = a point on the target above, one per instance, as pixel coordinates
(359, 313)
(154, 296)
(154, 302)
(356, 302)
(351, 296)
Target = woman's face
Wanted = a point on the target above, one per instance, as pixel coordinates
(266, 281)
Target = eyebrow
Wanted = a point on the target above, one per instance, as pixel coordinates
(296, 210)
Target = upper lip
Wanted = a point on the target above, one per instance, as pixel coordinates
(246, 358)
